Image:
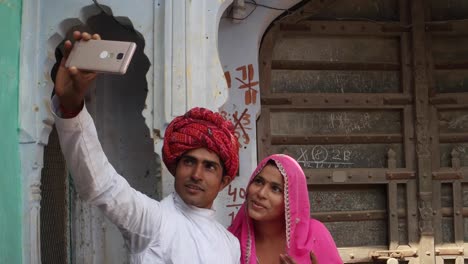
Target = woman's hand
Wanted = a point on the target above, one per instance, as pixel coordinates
(313, 258)
(286, 259)
(71, 84)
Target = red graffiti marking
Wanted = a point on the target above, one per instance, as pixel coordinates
(234, 193)
(247, 83)
(227, 75)
(232, 214)
(241, 125)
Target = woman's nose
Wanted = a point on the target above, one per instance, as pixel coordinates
(262, 191)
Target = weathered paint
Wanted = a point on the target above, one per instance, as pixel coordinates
(239, 45)
(10, 177)
(44, 26)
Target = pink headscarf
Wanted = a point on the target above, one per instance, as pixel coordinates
(303, 234)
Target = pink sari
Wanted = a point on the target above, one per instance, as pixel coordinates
(303, 234)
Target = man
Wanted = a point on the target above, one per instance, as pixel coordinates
(200, 150)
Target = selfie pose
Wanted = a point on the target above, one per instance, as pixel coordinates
(273, 224)
(201, 152)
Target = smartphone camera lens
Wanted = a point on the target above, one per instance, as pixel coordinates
(120, 56)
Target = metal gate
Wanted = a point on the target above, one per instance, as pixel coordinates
(371, 98)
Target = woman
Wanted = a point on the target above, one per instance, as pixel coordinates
(273, 224)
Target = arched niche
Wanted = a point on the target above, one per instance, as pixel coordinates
(116, 104)
(180, 43)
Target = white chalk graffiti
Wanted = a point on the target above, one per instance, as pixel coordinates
(342, 121)
(460, 122)
(321, 158)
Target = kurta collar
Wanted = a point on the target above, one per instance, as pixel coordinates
(179, 203)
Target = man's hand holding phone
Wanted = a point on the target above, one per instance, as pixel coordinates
(88, 55)
(72, 84)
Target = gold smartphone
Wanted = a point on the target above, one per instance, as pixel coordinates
(107, 56)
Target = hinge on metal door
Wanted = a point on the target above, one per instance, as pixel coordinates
(394, 254)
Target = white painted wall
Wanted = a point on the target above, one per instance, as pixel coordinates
(182, 39)
(239, 43)
(44, 25)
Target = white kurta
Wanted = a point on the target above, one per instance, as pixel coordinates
(169, 231)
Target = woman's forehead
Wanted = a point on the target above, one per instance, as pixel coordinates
(271, 173)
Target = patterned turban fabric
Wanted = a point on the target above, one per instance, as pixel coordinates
(201, 128)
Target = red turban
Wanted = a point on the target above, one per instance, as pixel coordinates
(201, 128)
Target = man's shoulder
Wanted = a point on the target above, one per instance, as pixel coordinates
(227, 234)
(168, 201)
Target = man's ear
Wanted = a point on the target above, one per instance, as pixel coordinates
(225, 182)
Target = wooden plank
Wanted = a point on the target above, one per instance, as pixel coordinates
(412, 216)
(437, 186)
(263, 122)
(352, 28)
(351, 176)
(335, 139)
(419, 40)
(451, 65)
(302, 101)
(403, 175)
(408, 134)
(393, 216)
(449, 251)
(450, 212)
(459, 104)
(458, 216)
(275, 101)
(333, 66)
(453, 137)
(298, 14)
(263, 134)
(346, 216)
(335, 81)
(359, 254)
(447, 175)
(450, 101)
(265, 57)
(423, 157)
(449, 28)
(408, 130)
(405, 69)
(342, 156)
(443, 100)
(435, 149)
